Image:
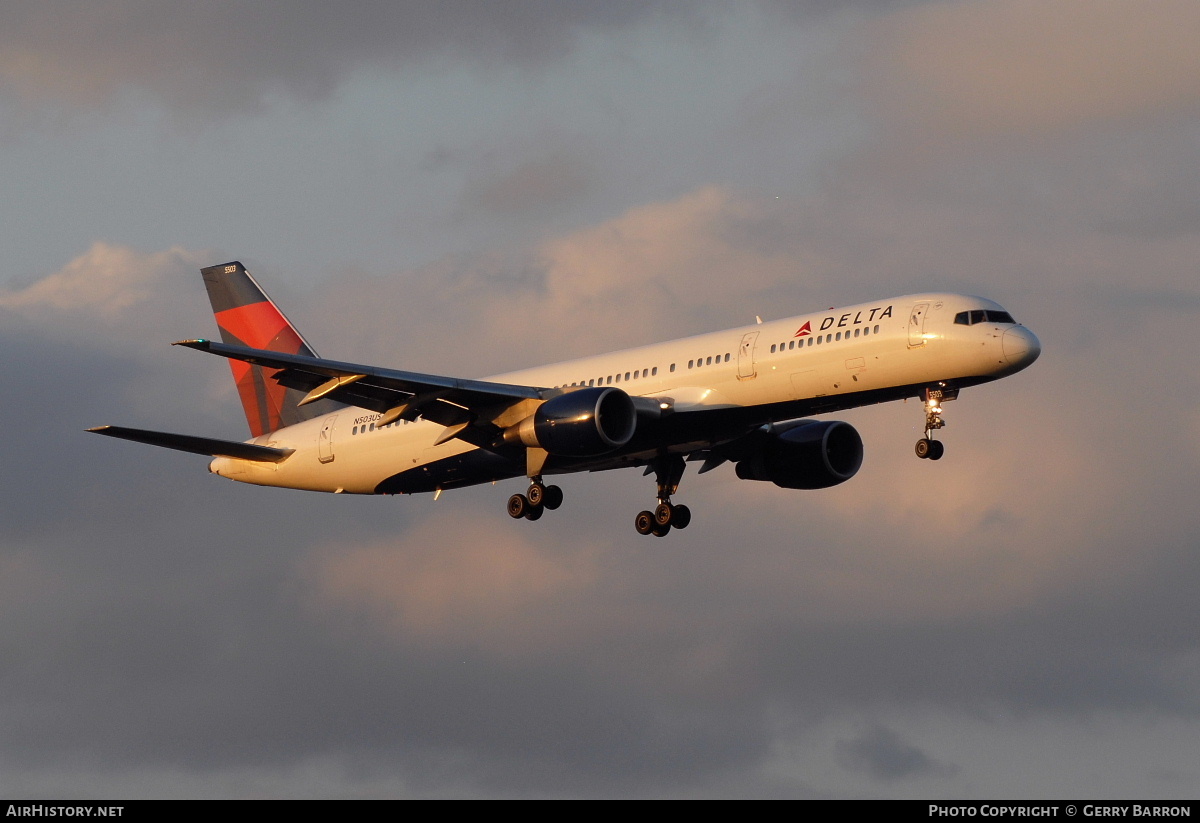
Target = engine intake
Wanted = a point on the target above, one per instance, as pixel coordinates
(581, 423)
(814, 454)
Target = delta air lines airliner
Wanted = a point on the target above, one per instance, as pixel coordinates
(744, 396)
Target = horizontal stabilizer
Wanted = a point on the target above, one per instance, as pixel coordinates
(198, 445)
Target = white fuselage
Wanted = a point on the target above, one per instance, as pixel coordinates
(837, 358)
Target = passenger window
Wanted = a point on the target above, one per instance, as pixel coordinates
(876, 330)
(726, 357)
(772, 348)
(691, 363)
(672, 367)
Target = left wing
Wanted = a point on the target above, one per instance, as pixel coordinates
(198, 445)
(468, 408)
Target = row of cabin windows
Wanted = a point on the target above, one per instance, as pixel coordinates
(616, 378)
(651, 372)
(829, 338)
(701, 361)
(370, 427)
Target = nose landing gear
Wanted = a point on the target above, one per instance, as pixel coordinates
(666, 515)
(928, 448)
(535, 501)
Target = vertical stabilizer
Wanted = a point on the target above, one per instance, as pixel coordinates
(247, 317)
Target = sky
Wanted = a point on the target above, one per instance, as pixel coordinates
(466, 188)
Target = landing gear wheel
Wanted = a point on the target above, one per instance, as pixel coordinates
(663, 514)
(924, 447)
(681, 517)
(644, 522)
(536, 493)
(660, 530)
(936, 449)
(534, 513)
(553, 497)
(518, 505)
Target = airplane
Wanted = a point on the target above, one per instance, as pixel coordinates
(744, 396)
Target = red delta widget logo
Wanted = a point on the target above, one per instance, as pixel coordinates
(876, 313)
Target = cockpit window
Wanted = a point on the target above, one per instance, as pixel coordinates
(970, 318)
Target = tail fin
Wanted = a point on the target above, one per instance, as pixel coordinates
(247, 317)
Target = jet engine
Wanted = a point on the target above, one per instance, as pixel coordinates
(814, 454)
(581, 423)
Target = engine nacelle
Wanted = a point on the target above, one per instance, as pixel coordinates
(815, 454)
(581, 423)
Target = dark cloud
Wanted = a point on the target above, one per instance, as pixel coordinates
(884, 755)
(219, 55)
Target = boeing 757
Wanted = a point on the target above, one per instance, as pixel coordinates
(745, 396)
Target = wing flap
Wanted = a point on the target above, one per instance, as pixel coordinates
(198, 445)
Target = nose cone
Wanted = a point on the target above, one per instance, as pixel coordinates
(1020, 347)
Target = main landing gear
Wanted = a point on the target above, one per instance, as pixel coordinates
(927, 447)
(535, 501)
(666, 515)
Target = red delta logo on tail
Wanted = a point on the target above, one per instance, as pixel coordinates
(805, 330)
(247, 317)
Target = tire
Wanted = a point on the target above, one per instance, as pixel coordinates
(518, 504)
(554, 497)
(536, 493)
(644, 522)
(534, 512)
(663, 513)
(681, 517)
(661, 530)
(923, 448)
(936, 449)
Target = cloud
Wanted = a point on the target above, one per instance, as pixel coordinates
(221, 54)
(108, 285)
(1028, 68)
(487, 588)
(884, 755)
(535, 185)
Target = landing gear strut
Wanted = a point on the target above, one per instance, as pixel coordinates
(533, 504)
(667, 473)
(927, 447)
